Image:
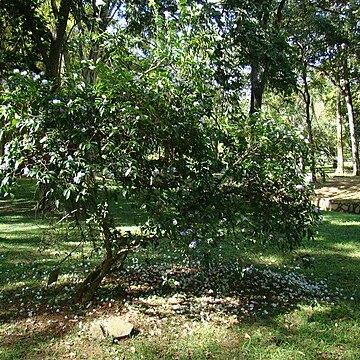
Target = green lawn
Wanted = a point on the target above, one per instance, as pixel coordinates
(257, 304)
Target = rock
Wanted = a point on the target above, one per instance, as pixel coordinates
(334, 206)
(96, 331)
(357, 210)
(176, 299)
(53, 276)
(117, 327)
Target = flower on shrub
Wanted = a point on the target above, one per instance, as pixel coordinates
(78, 176)
(193, 245)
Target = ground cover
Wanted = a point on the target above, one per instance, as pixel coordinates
(252, 303)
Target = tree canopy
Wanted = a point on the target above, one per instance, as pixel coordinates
(162, 103)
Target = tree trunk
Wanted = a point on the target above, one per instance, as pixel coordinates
(351, 118)
(88, 288)
(90, 285)
(307, 99)
(257, 80)
(259, 71)
(57, 42)
(52, 65)
(339, 135)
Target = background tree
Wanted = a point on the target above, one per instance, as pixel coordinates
(255, 48)
(334, 24)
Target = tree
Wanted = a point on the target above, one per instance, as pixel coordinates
(339, 134)
(255, 44)
(153, 126)
(333, 25)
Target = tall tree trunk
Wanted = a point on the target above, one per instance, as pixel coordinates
(259, 71)
(52, 65)
(307, 99)
(351, 118)
(57, 42)
(339, 134)
(258, 81)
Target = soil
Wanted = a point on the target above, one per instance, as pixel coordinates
(339, 187)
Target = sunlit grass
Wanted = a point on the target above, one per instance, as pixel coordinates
(34, 323)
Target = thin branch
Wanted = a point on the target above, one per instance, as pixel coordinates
(55, 9)
(154, 67)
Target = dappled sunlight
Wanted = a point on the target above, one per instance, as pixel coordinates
(337, 187)
(261, 301)
(352, 250)
(132, 229)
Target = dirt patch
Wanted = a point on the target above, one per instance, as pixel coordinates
(339, 187)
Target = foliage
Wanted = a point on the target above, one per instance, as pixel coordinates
(150, 125)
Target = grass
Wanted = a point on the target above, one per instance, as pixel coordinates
(275, 309)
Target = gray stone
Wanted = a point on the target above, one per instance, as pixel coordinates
(357, 210)
(96, 331)
(117, 327)
(334, 206)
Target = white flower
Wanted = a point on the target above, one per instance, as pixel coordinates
(24, 73)
(81, 85)
(78, 176)
(26, 170)
(16, 71)
(300, 187)
(193, 245)
(174, 222)
(4, 165)
(99, 3)
(44, 82)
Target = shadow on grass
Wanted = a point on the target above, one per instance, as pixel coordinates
(154, 291)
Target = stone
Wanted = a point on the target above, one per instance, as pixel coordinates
(334, 206)
(345, 207)
(117, 327)
(96, 331)
(357, 210)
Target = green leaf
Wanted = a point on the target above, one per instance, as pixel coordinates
(67, 193)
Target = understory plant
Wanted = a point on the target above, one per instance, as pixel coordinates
(154, 128)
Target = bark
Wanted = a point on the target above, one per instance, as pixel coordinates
(351, 118)
(90, 285)
(53, 60)
(307, 99)
(258, 81)
(52, 65)
(259, 72)
(339, 135)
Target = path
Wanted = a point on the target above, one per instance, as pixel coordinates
(340, 193)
